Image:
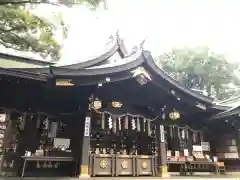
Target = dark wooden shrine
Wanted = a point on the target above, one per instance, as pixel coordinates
(120, 114)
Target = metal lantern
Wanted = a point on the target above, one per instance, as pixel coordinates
(97, 104)
(174, 115)
(116, 104)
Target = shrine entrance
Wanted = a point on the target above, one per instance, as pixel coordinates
(122, 145)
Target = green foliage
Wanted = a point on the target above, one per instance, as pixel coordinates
(22, 30)
(91, 3)
(201, 69)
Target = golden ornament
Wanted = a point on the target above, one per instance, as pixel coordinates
(116, 104)
(174, 115)
(97, 104)
(144, 165)
(124, 164)
(103, 164)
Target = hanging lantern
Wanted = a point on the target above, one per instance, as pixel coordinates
(64, 82)
(97, 104)
(116, 104)
(174, 115)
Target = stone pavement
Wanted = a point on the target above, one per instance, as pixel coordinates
(227, 177)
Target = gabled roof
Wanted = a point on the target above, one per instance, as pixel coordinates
(231, 102)
(100, 70)
(230, 112)
(227, 104)
(124, 69)
(231, 107)
(23, 74)
(161, 76)
(118, 49)
(10, 57)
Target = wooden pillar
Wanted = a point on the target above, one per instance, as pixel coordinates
(5, 119)
(84, 164)
(162, 154)
(238, 140)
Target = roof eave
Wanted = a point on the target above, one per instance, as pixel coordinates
(24, 59)
(227, 113)
(23, 74)
(175, 85)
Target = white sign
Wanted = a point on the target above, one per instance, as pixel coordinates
(205, 146)
(87, 126)
(61, 143)
(162, 135)
(169, 153)
(185, 152)
(197, 148)
(53, 130)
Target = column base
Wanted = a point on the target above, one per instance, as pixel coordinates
(163, 172)
(84, 171)
(84, 176)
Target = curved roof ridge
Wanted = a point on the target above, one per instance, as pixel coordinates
(11, 57)
(127, 63)
(23, 74)
(117, 47)
(161, 73)
(229, 101)
(229, 112)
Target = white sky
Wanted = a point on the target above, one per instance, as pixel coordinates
(165, 23)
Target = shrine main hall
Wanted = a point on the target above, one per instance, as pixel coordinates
(118, 114)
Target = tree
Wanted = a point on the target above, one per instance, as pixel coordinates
(22, 30)
(92, 3)
(199, 68)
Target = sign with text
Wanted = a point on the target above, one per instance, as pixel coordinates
(162, 135)
(87, 126)
(64, 82)
(205, 146)
(197, 148)
(185, 152)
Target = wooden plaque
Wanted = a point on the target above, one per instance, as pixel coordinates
(145, 165)
(125, 165)
(102, 165)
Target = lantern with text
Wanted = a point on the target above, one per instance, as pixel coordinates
(174, 115)
(97, 104)
(116, 104)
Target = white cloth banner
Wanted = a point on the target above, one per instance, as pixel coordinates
(197, 148)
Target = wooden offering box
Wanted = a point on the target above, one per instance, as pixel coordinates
(145, 165)
(102, 165)
(125, 165)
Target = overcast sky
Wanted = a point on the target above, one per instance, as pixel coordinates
(165, 24)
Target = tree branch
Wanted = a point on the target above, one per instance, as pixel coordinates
(28, 2)
(7, 44)
(19, 2)
(11, 29)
